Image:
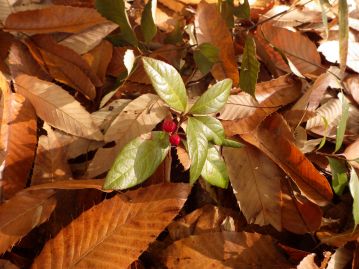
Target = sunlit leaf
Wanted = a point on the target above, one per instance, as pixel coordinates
(167, 83)
(137, 161)
(231, 143)
(342, 123)
(197, 148)
(354, 190)
(116, 12)
(212, 128)
(339, 173)
(213, 99)
(343, 34)
(148, 26)
(214, 170)
(249, 68)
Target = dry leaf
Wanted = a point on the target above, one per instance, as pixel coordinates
(6, 42)
(287, 156)
(308, 262)
(183, 157)
(22, 213)
(53, 19)
(58, 108)
(71, 185)
(341, 258)
(18, 138)
(256, 182)
(224, 250)
(352, 153)
(340, 239)
(211, 28)
(51, 162)
(275, 93)
(129, 222)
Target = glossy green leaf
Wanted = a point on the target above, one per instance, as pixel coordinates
(137, 161)
(213, 99)
(354, 190)
(148, 26)
(167, 82)
(343, 34)
(249, 68)
(339, 175)
(214, 170)
(243, 10)
(115, 11)
(212, 128)
(197, 148)
(342, 123)
(205, 56)
(231, 143)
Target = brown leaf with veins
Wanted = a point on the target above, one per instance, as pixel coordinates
(18, 140)
(275, 94)
(286, 155)
(128, 224)
(53, 19)
(211, 28)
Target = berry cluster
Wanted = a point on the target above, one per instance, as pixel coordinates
(170, 126)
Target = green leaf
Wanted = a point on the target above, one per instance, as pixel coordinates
(231, 143)
(212, 128)
(343, 34)
(213, 99)
(115, 11)
(354, 190)
(205, 56)
(342, 123)
(249, 68)
(175, 36)
(339, 175)
(167, 83)
(243, 10)
(148, 26)
(197, 148)
(214, 170)
(227, 10)
(137, 161)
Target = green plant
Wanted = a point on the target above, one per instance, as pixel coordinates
(204, 134)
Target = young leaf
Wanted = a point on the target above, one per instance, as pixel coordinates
(343, 34)
(116, 12)
(340, 178)
(167, 83)
(214, 170)
(197, 148)
(205, 56)
(148, 26)
(354, 190)
(212, 128)
(342, 123)
(137, 161)
(213, 99)
(231, 143)
(249, 68)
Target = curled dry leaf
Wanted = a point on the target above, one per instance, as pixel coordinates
(18, 138)
(211, 28)
(22, 213)
(300, 50)
(274, 94)
(53, 19)
(339, 239)
(51, 161)
(224, 250)
(58, 108)
(129, 222)
(287, 156)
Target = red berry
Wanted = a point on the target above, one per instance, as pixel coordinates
(175, 139)
(169, 126)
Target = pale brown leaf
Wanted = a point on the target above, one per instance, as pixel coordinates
(51, 162)
(211, 28)
(286, 155)
(183, 157)
(256, 182)
(224, 250)
(18, 137)
(308, 262)
(22, 213)
(58, 108)
(53, 19)
(128, 223)
(352, 153)
(275, 93)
